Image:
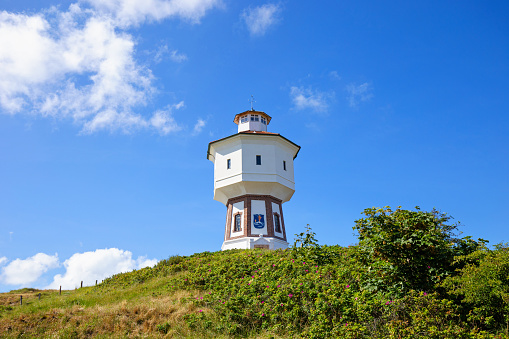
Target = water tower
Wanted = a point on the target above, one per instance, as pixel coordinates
(253, 177)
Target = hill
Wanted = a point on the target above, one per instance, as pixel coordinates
(307, 291)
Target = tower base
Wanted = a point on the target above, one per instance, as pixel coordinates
(254, 242)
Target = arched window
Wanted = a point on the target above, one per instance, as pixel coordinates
(277, 223)
(237, 223)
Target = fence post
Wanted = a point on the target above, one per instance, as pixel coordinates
(96, 283)
(60, 293)
(81, 284)
(21, 300)
(39, 296)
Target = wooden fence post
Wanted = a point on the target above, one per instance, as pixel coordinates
(81, 284)
(60, 290)
(21, 300)
(39, 296)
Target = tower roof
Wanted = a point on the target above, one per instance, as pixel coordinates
(238, 116)
(258, 134)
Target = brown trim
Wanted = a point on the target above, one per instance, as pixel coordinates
(270, 224)
(247, 211)
(253, 197)
(248, 225)
(282, 222)
(228, 222)
(234, 218)
(239, 115)
(274, 215)
(247, 199)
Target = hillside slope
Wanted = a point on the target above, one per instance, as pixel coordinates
(251, 293)
(410, 276)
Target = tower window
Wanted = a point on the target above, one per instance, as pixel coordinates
(277, 223)
(254, 118)
(244, 119)
(263, 120)
(284, 165)
(228, 163)
(237, 225)
(258, 159)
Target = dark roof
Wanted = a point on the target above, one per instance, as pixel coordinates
(254, 132)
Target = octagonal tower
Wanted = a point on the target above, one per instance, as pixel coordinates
(253, 177)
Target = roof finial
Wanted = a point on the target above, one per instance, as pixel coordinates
(252, 101)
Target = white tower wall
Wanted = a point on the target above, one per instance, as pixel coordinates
(253, 189)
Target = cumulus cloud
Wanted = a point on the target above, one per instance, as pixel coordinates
(27, 271)
(80, 64)
(259, 19)
(3, 260)
(198, 127)
(308, 98)
(358, 93)
(97, 265)
(134, 12)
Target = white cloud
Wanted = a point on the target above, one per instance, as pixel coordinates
(358, 93)
(134, 12)
(307, 98)
(27, 271)
(81, 65)
(177, 57)
(3, 260)
(97, 265)
(259, 19)
(334, 75)
(163, 120)
(198, 127)
(174, 55)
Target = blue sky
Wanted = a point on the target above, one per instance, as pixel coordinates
(107, 108)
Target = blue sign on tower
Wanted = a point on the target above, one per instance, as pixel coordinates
(259, 221)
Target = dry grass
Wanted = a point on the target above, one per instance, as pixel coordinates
(132, 319)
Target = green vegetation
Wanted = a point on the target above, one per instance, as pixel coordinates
(410, 276)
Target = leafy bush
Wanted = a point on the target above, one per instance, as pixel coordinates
(482, 286)
(386, 287)
(404, 250)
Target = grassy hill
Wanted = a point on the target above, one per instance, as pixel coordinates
(308, 291)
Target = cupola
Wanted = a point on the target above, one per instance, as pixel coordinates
(252, 120)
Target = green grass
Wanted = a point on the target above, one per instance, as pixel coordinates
(240, 293)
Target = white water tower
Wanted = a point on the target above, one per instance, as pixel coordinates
(253, 177)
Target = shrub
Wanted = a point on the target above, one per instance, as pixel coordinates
(404, 250)
(482, 286)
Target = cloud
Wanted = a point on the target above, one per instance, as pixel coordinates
(27, 271)
(199, 126)
(134, 12)
(174, 55)
(259, 19)
(334, 75)
(359, 93)
(163, 120)
(97, 265)
(80, 64)
(307, 98)
(3, 260)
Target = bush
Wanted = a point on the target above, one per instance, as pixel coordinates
(406, 250)
(482, 286)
